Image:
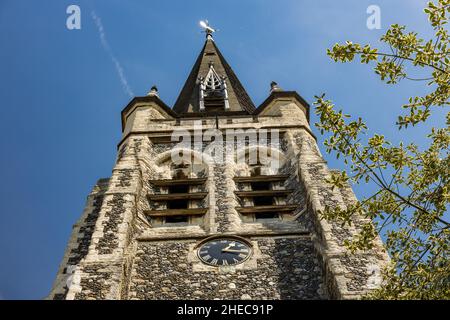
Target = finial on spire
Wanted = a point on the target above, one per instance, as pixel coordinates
(274, 87)
(207, 29)
(153, 92)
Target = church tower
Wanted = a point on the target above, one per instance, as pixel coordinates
(215, 198)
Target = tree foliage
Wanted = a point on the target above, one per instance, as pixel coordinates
(411, 201)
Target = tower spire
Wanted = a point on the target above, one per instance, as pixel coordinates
(212, 86)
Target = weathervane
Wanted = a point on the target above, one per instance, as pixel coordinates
(207, 29)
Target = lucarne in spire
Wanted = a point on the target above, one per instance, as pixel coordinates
(213, 90)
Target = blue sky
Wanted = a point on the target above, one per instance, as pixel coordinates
(62, 91)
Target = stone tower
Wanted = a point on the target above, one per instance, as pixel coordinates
(215, 198)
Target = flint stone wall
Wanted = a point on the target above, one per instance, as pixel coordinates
(286, 268)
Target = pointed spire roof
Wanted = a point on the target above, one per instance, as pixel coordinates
(189, 99)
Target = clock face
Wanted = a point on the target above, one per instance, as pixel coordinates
(224, 252)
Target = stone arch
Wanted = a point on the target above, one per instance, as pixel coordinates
(198, 164)
(262, 159)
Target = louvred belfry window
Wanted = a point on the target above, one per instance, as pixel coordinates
(213, 91)
(178, 201)
(264, 202)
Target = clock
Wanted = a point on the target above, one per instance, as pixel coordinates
(224, 252)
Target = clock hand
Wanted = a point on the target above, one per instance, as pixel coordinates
(232, 244)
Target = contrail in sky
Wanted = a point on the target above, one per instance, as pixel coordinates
(105, 45)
